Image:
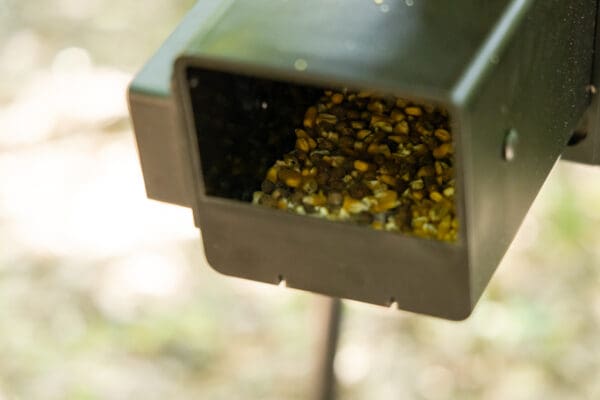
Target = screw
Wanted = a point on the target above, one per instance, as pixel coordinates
(301, 64)
(577, 137)
(510, 143)
(282, 282)
(591, 89)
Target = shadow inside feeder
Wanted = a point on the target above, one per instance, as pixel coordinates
(244, 124)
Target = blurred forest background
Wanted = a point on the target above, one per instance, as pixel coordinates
(106, 295)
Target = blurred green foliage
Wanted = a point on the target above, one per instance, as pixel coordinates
(106, 295)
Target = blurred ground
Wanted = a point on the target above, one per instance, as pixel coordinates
(106, 295)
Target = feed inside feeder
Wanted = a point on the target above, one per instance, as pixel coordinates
(379, 161)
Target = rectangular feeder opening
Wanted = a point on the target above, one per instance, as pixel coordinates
(340, 154)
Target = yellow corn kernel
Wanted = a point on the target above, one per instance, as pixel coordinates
(290, 177)
(310, 117)
(401, 103)
(443, 135)
(362, 134)
(373, 148)
(384, 126)
(333, 136)
(385, 150)
(302, 145)
(337, 98)
(272, 174)
(425, 171)
(353, 206)
(377, 225)
(414, 111)
(398, 116)
(449, 192)
(316, 200)
(282, 204)
(357, 124)
(326, 118)
(361, 166)
(442, 151)
(386, 201)
(417, 195)
(402, 128)
(435, 196)
(301, 133)
(388, 180)
(376, 106)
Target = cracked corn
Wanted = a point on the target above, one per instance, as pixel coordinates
(373, 160)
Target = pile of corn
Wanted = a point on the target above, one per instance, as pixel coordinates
(373, 160)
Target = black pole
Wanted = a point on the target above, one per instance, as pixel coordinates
(332, 317)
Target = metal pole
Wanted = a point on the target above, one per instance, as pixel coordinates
(325, 378)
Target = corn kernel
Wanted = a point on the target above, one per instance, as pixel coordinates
(302, 145)
(443, 135)
(272, 174)
(388, 180)
(326, 118)
(282, 204)
(442, 151)
(290, 177)
(425, 171)
(357, 125)
(373, 148)
(417, 195)
(401, 103)
(353, 206)
(333, 136)
(376, 106)
(377, 119)
(377, 225)
(402, 128)
(435, 196)
(310, 117)
(398, 116)
(301, 133)
(362, 134)
(449, 192)
(337, 98)
(386, 201)
(417, 184)
(361, 166)
(413, 111)
(384, 126)
(316, 200)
